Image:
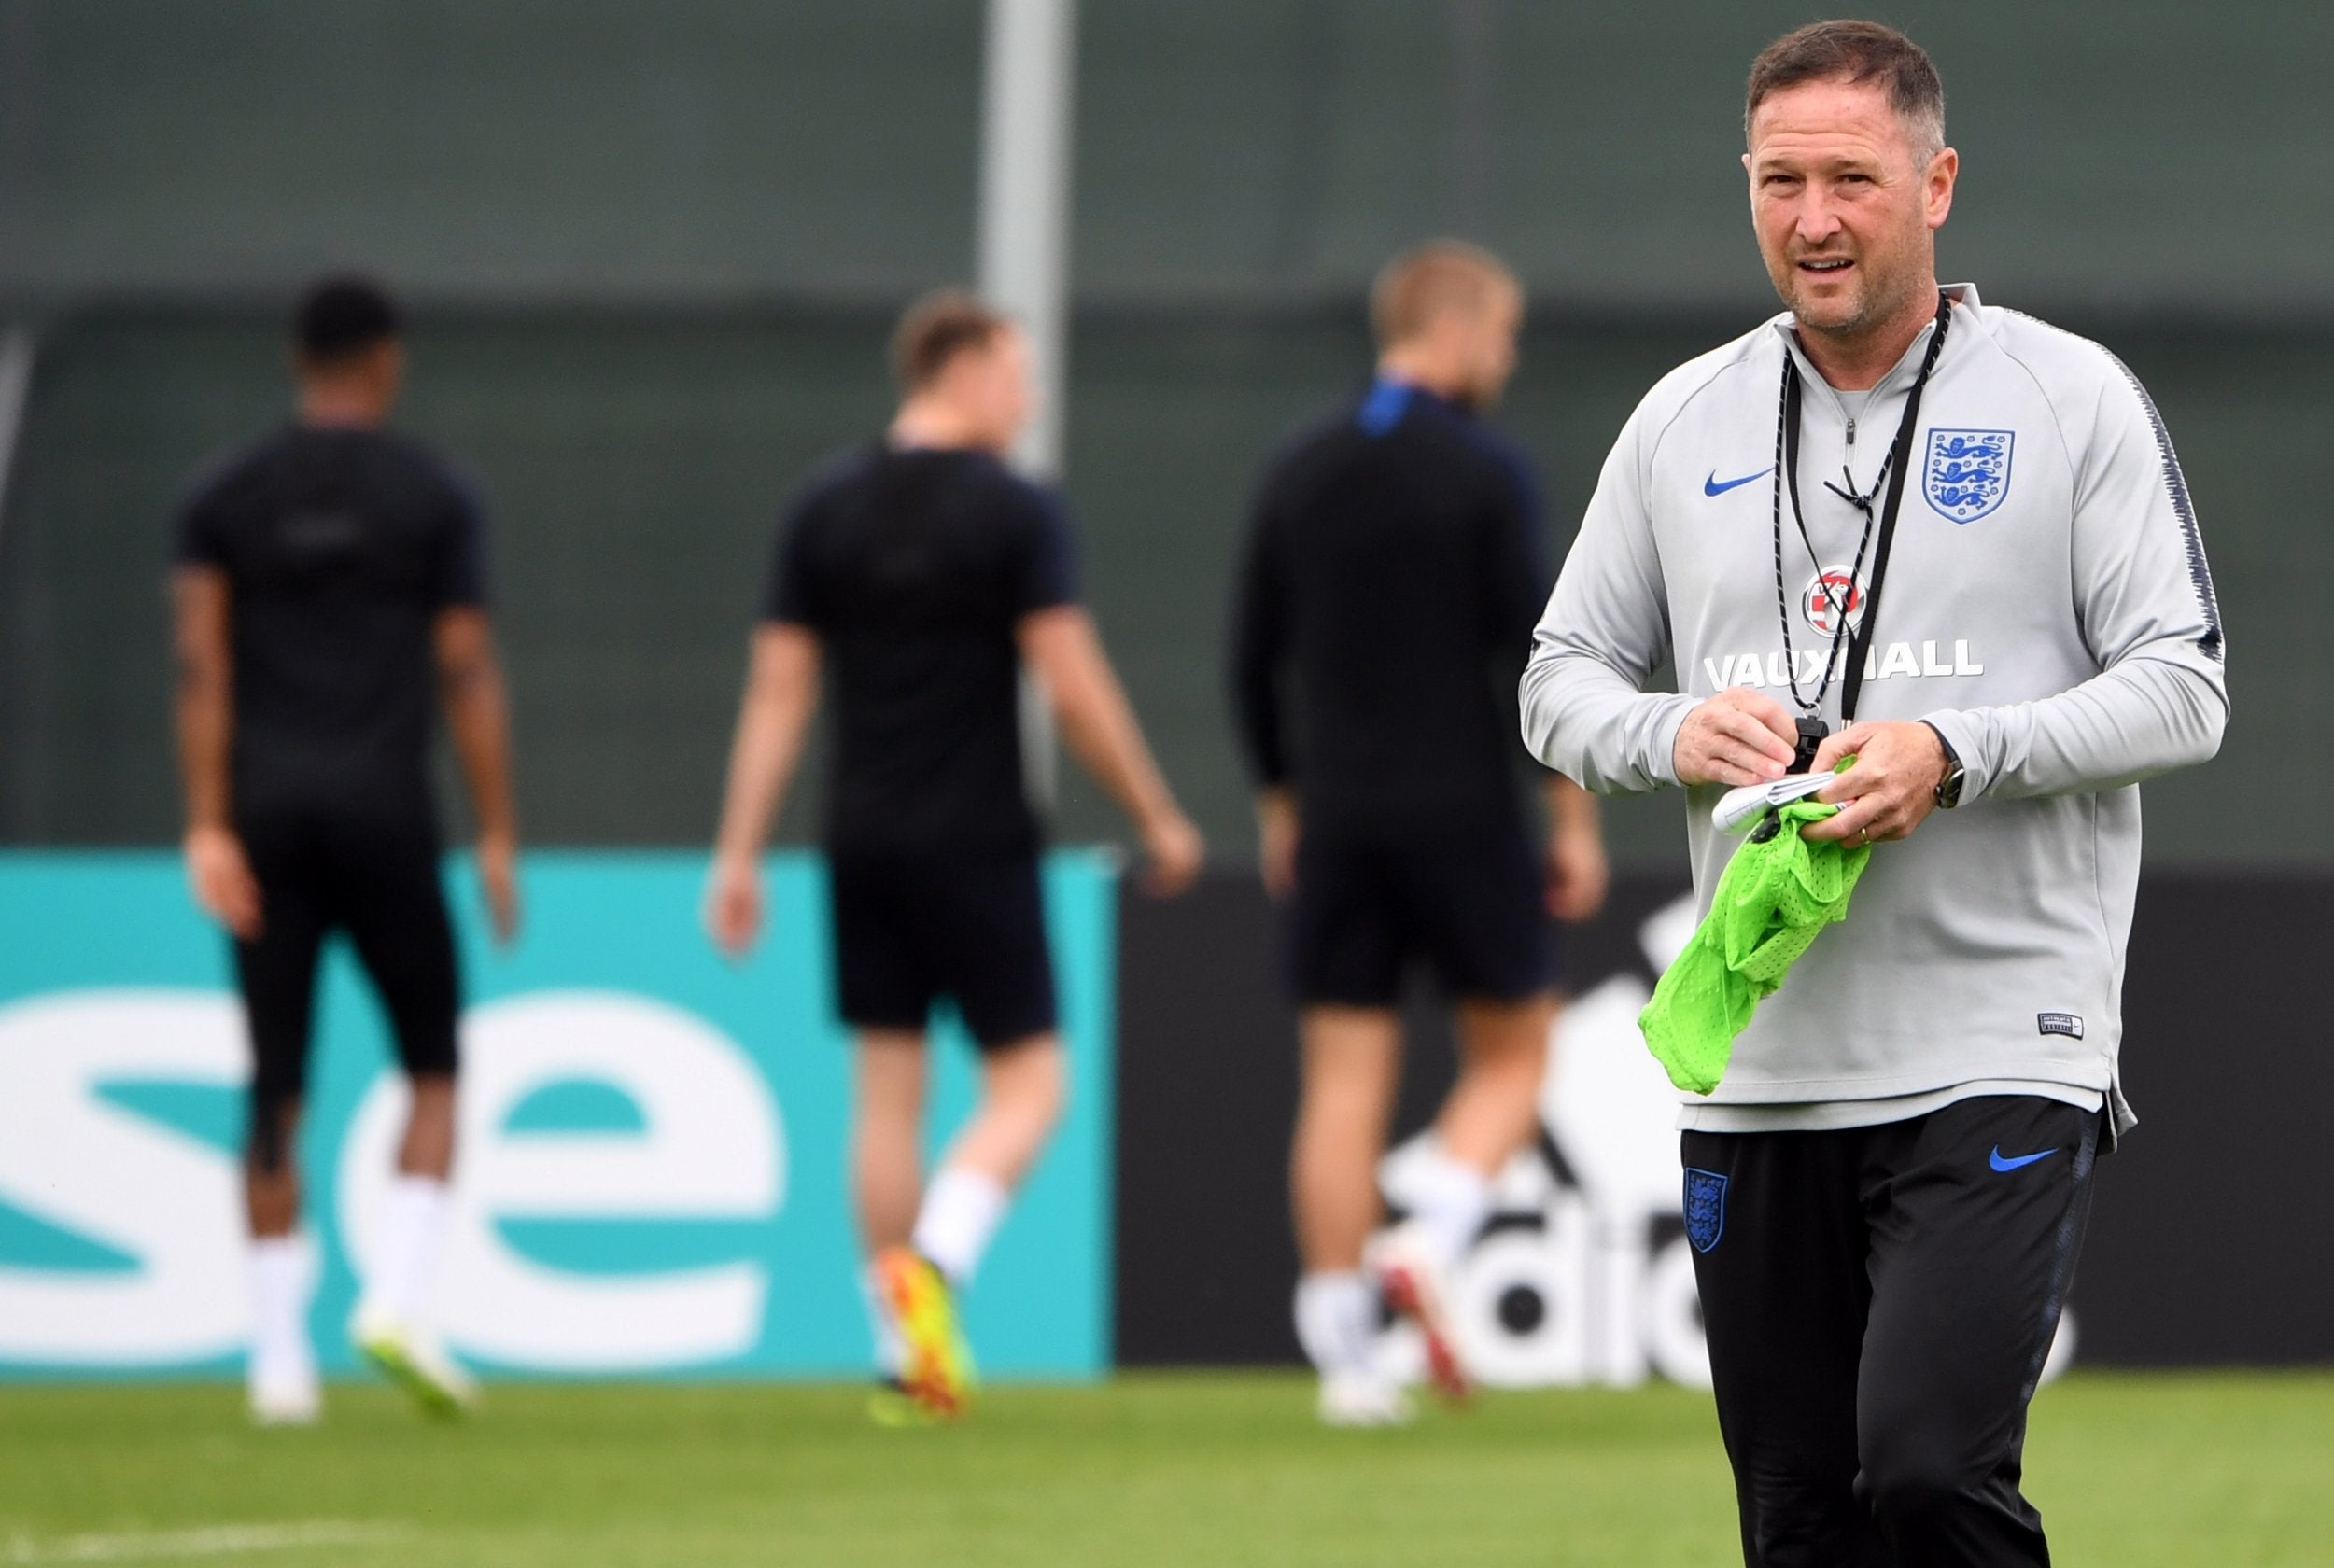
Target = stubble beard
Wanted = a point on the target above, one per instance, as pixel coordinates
(1881, 299)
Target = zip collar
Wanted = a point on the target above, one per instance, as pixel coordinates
(1900, 375)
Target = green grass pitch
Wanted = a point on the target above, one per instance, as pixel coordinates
(2235, 1471)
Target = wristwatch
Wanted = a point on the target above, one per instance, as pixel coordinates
(1949, 786)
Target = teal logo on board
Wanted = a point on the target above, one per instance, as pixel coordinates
(652, 1180)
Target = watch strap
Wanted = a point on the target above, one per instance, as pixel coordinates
(1948, 791)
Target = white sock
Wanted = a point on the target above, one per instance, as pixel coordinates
(283, 1279)
(962, 1211)
(411, 1220)
(891, 1351)
(1336, 1320)
(1450, 1201)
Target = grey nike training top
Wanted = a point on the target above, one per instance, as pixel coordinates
(2048, 605)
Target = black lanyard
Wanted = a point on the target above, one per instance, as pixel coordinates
(1892, 468)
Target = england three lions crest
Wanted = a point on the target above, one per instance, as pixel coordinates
(1705, 1208)
(1968, 472)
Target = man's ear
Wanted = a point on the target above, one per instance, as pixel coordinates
(1944, 170)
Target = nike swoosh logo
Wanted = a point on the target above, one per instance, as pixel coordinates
(1999, 1163)
(1716, 486)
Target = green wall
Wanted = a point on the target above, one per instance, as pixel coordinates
(2139, 154)
(698, 148)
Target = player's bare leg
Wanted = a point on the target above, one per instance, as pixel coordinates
(885, 1162)
(1350, 1066)
(887, 1182)
(427, 1150)
(271, 1172)
(386, 1325)
(282, 1377)
(1493, 1109)
(1489, 1114)
(1021, 1096)
(1024, 1087)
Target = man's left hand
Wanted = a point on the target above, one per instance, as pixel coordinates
(1578, 874)
(1892, 787)
(499, 876)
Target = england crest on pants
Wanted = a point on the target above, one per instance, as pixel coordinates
(1705, 1208)
(1968, 471)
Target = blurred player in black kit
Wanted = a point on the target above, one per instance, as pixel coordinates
(330, 587)
(1391, 581)
(920, 574)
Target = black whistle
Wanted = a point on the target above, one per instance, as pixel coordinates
(1812, 733)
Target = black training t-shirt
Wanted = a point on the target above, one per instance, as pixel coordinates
(341, 546)
(914, 568)
(1393, 578)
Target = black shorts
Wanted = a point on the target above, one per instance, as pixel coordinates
(911, 929)
(374, 878)
(1470, 905)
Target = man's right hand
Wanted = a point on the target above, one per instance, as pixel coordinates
(733, 905)
(1739, 736)
(222, 880)
(1174, 852)
(1276, 841)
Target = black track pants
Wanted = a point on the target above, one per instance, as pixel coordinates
(1878, 1303)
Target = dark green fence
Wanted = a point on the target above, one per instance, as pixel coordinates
(2155, 154)
(636, 463)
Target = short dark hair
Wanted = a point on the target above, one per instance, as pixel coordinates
(342, 314)
(1856, 52)
(936, 329)
(1426, 280)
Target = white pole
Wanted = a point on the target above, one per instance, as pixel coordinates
(1024, 256)
(16, 386)
(1025, 197)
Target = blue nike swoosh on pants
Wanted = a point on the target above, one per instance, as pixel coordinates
(1714, 486)
(1999, 1163)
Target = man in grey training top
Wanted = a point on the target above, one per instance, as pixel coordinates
(1975, 569)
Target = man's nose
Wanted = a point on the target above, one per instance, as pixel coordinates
(1816, 220)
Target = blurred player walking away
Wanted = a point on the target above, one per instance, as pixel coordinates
(330, 579)
(1393, 576)
(1886, 1190)
(923, 574)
